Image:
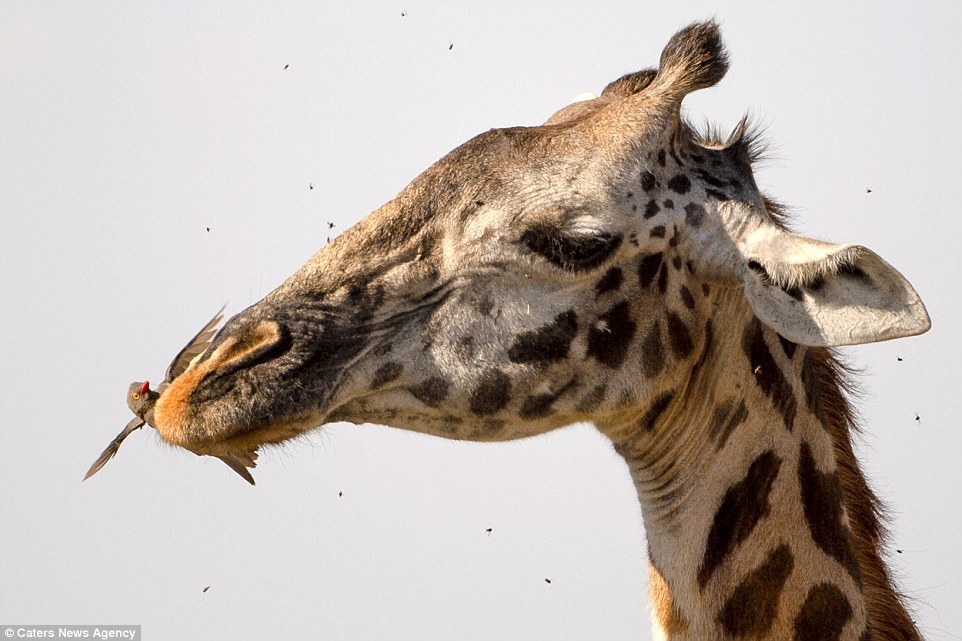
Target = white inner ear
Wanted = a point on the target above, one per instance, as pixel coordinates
(792, 260)
(819, 294)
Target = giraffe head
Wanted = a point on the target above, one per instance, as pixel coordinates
(534, 277)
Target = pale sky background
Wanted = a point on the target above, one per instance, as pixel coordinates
(128, 128)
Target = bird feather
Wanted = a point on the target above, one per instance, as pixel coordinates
(197, 346)
(111, 450)
(240, 462)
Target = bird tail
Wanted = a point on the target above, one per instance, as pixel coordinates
(240, 461)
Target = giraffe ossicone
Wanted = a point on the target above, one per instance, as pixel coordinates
(614, 266)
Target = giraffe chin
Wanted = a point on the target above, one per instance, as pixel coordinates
(251, 439)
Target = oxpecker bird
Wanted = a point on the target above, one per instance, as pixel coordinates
(141, 400)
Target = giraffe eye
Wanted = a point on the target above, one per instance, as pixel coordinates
(569, 251)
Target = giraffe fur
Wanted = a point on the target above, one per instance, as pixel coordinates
(617, 267)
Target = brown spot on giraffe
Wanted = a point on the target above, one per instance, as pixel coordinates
(743, 506)
(539, 405)
(663, 278)
(695, 214)
(432, 391)
(536, 406)
(707, 178)
(648, 269)
(686, 297)
(488, 428)
(729, 415)
(648, 181)
(386, 373)
(679, 183)
(679, 337)
(751, 609)
(822, 500)
(610, 282)
(547, 344)
(768, 374)
(824, 614)
(491, 394)
(652, 351)
(592, 399)
(787, 346)
(609, 336)
(655, 410)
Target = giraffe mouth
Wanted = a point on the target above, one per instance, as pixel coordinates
(267, 380)
(282, 368)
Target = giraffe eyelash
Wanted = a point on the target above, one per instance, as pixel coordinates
(571, 252)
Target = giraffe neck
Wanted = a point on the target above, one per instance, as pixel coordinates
(748, 510)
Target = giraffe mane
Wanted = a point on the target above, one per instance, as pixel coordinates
(828, 382)
(748, 138)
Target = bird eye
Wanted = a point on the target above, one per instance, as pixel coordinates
(136, 395)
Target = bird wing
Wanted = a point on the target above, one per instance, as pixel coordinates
(108, 453)
(197, 346)
(239, 462)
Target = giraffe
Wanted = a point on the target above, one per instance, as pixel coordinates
(619, 267)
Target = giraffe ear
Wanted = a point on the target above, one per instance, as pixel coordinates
(819, 294)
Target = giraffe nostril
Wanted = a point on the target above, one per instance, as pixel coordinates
(252, 345)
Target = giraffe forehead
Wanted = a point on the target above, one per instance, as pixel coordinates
(504, 180)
